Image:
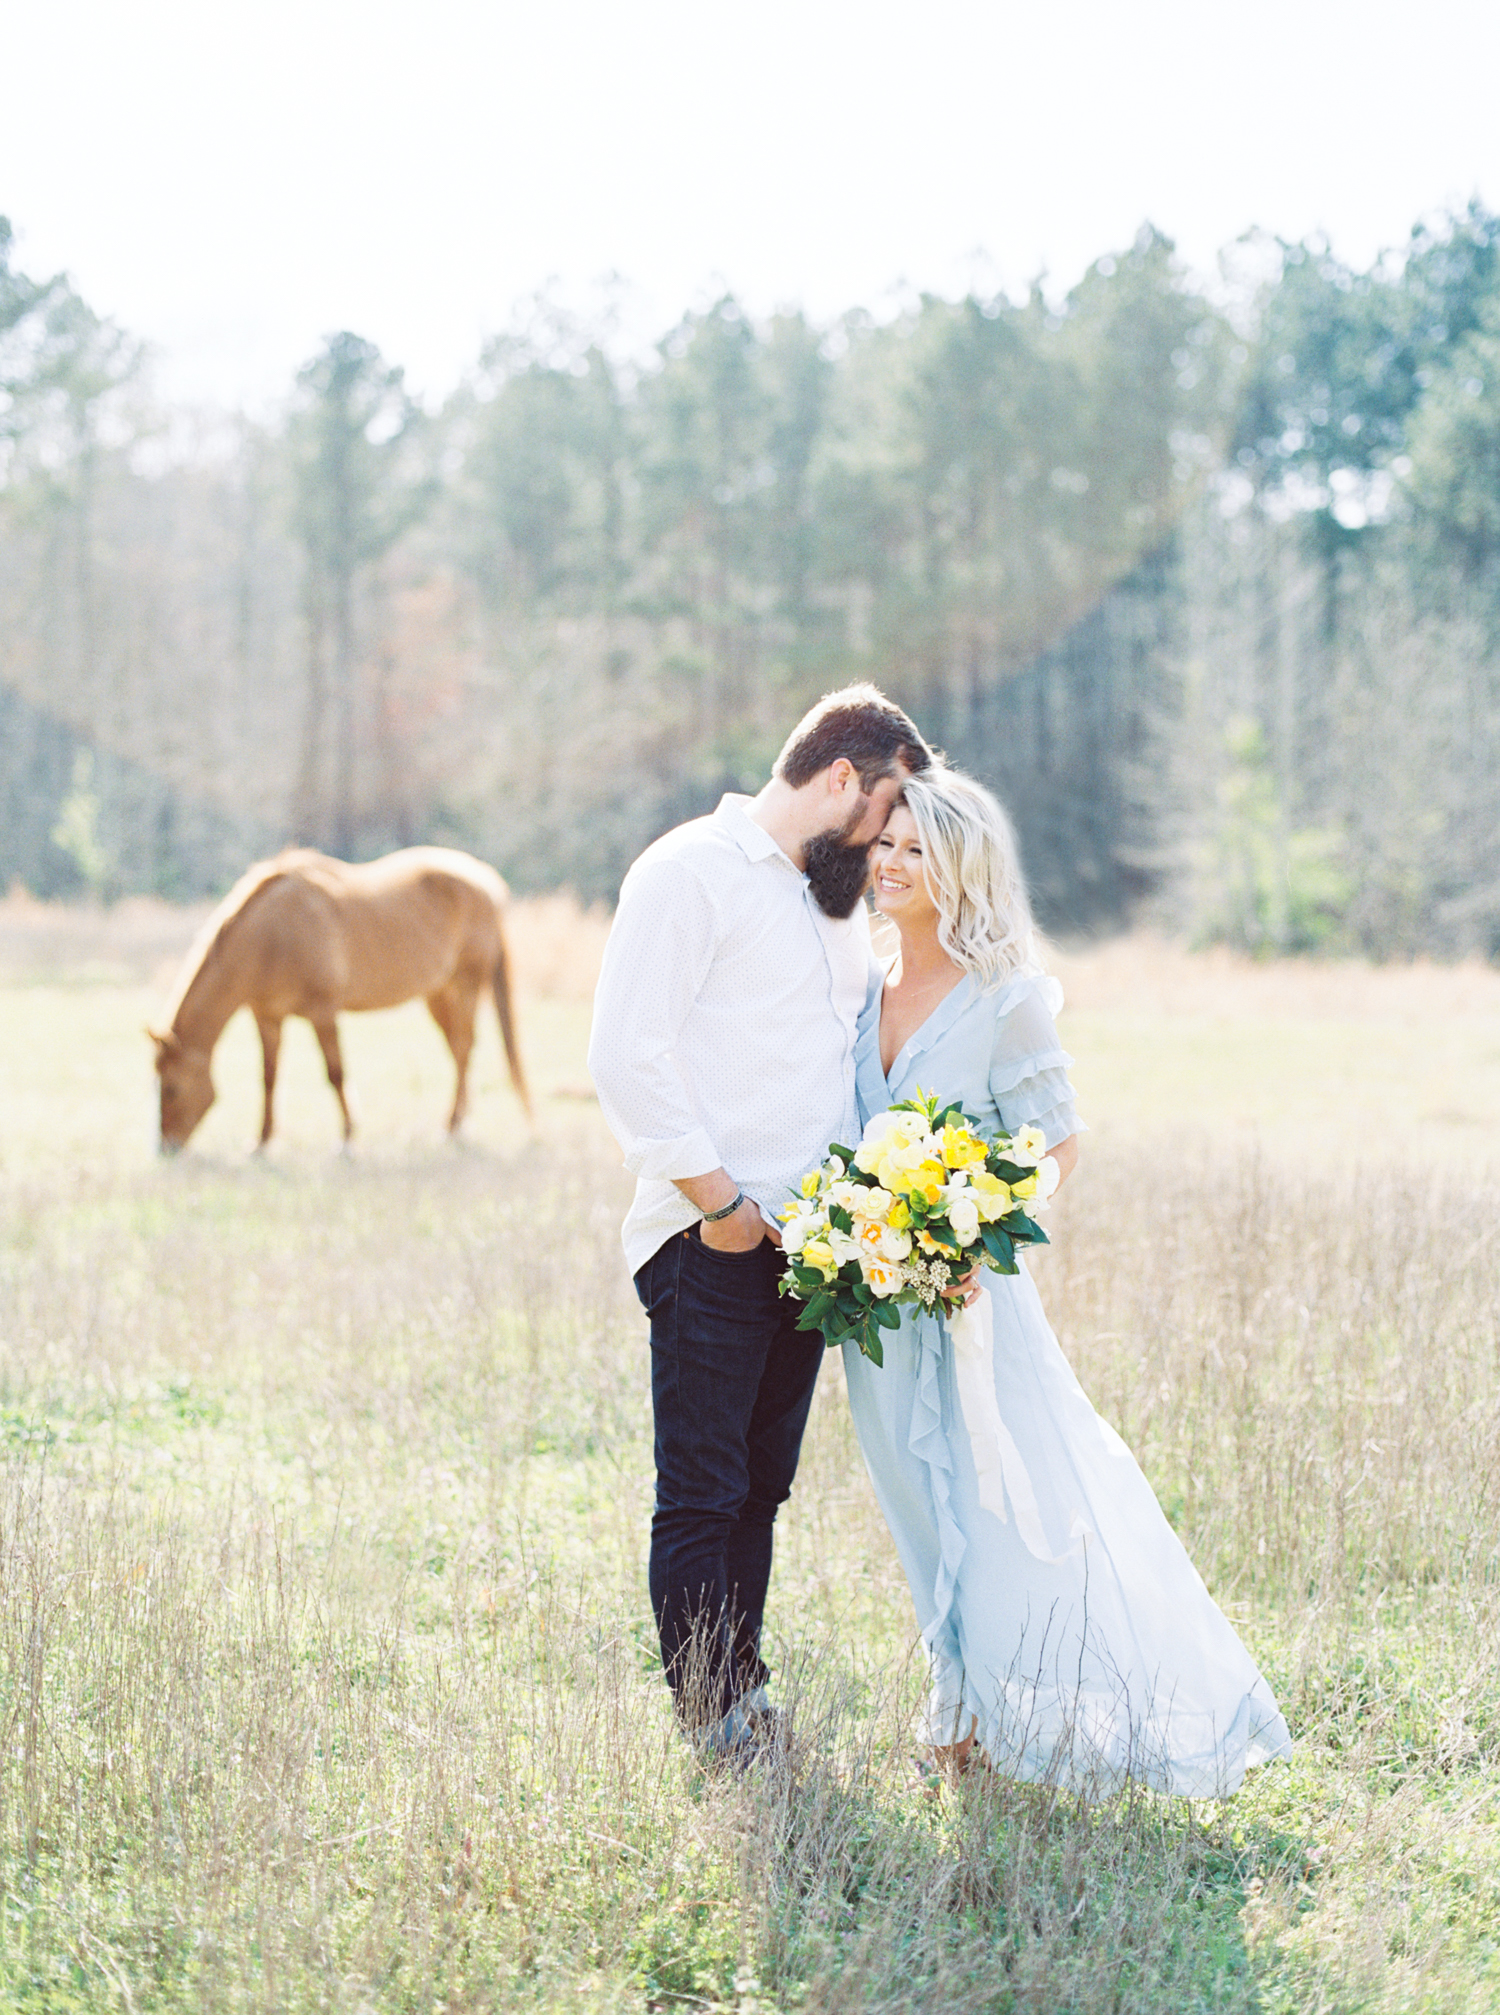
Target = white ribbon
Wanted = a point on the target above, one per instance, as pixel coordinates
(997, 1460)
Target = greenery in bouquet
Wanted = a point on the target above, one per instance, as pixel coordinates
(900, 1220)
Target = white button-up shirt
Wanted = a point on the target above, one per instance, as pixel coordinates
(724, 1021)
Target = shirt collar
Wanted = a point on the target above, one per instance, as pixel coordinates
(754, 841)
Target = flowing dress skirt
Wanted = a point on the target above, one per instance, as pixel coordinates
(1057, 1605)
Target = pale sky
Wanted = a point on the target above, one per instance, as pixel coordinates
(234, 182)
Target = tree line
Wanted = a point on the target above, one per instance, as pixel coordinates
(1203, 576)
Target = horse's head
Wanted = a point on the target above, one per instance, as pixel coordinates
(187, 1089)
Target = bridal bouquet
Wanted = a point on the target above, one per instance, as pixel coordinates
(899, 1220)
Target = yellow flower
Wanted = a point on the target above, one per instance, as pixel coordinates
(960, 1148)
(928, 1181)
(991, 1195)
(869, 1234)
(898, 1217)
(817, 1252)
(810, 1182)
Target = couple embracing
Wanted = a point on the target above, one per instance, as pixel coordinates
(742, 1023)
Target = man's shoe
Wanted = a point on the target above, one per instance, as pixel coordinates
(753, 1731)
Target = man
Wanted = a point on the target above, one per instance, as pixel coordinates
(723, 1055)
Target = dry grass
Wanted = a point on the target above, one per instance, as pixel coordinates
(556, 943)
(326, 1675)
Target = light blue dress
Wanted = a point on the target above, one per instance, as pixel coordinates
(1057, 1606)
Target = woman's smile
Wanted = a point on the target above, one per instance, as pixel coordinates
(900, 881)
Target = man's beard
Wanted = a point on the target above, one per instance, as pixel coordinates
(838, 873)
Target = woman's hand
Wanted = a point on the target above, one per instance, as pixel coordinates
(968, 1290)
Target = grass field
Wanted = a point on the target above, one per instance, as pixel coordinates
(326, 1674)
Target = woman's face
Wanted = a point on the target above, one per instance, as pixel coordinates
(901, 890)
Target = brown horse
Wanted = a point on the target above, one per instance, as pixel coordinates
(306, 935)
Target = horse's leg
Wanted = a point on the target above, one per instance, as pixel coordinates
(326, 1028)
(270, 1050)
(453, 1008)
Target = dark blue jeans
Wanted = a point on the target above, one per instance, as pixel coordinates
(731, 1382)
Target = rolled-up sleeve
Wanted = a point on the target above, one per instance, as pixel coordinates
(657, 957)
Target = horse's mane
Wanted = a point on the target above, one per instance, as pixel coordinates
(205, 948)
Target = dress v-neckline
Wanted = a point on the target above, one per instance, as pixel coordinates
(888, 1075)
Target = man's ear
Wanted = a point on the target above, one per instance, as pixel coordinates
(840, 771)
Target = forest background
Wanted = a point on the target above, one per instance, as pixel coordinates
(1200, 572)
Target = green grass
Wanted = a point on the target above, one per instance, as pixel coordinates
(326, 1674)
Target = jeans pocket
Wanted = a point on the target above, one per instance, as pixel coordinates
(714, 1252)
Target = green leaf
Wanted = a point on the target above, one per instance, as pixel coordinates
(872, 1347)
(862, 1293)
(886, 1315)
(836, 1147)
(840, 1219)
(997, 1243)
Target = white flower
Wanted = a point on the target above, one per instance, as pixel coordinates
(796, 1233)
(881, 1277)
(870, 1203)
(895, 1244)
(963, 1215)
(1048, 1176)
(885, 1131)
(1028, 1144)
(842, 1246)
(844, 1194)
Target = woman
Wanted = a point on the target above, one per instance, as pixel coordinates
(1069, 1635)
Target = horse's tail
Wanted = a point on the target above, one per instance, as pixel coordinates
(505, 1009)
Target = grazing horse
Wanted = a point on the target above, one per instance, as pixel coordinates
(306, 935)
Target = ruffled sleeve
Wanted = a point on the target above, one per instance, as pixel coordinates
(1028, 1066)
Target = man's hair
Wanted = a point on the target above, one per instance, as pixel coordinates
(860, 724)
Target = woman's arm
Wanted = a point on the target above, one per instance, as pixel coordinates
(1065, 1154)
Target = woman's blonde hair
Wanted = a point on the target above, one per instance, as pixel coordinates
(969, 858)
